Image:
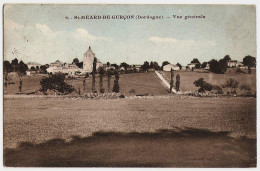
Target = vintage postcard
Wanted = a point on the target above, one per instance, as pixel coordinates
(129, 85)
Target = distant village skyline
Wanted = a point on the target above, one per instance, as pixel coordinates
(225, 30)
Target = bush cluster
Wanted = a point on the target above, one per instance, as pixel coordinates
(55, 83)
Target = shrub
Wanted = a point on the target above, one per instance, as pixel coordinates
(217, 89)
(231, 84)
(204, 86)
(132, 91)
(55, 83)
(246, 89)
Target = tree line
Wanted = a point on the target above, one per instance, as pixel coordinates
(220, 66)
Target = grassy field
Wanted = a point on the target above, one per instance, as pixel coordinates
(142, 83)
(188, 77)
(163, 140)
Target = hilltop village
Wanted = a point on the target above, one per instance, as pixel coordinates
(77, 68)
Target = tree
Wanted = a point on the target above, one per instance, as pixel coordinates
(179, 65)
(94, 75)
(75, 60)
(55, 83)
(145, 66)
(84, 84)
(223, 65)
(171, 81)
(231, 84)
(204, 86)
(80, 65)
(204, 64)
(197, 65)
(108, 80)
(22, 67)
(178, 82)
(195, 60)
(43, 69)
(151, 64)
(101, 74)
(116, 87)
(165, 63)
(7, 67)
(250, 62)
(33, 68)
(14, 63)
(124, 65)
(6, 81)
(219, 67)
(115, 65)
(20, 85)
(227, 58)
(156, 66)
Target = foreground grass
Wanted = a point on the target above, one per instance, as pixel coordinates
(178, 147)
(39, 120)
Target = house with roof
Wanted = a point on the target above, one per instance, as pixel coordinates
(234, 63)
(168, 67)
(33, 64)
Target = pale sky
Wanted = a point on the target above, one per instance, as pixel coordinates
(40, 33)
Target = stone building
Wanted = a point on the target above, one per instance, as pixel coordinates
(88, 60)
(168, 67)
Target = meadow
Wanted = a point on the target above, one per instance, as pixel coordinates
(200, 132)
(159, 131)
(141, 83)
(188, 77)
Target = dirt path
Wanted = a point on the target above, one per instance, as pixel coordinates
(164, 80)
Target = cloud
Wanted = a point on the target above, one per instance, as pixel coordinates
(10, 25)
(181, 42)
(37, 42)
(81, 32)
(162, 40)
(170, 40)
(43, 28)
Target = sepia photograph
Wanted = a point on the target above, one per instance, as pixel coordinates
(129, 85)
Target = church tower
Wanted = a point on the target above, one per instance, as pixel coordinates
(88, 60)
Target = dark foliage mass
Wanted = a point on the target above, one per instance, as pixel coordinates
(218, 67)
(204, 86)
(8, 67)
(55, 83)
(116, 87)
(145, 66)
(231, 84)
(250, 62)
(16, 66)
